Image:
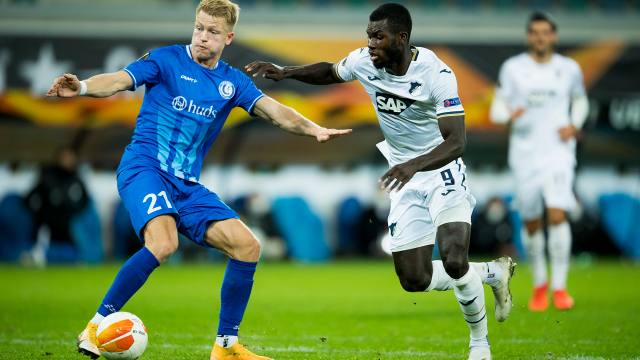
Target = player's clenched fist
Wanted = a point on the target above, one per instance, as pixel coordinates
(271, 71)
(66, 86)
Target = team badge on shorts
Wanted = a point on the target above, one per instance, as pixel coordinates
(226, 89)
(394, 229)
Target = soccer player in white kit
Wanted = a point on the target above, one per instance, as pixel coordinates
(416, 99)
(542, 96)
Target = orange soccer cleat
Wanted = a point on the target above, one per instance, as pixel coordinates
(235, 352)
(539, 301)
(562, 300)
(87, 341)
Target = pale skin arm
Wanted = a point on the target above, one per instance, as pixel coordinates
(291, 121)
(99, 86)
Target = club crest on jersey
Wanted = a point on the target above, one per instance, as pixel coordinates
(391, 104)
(452, 102)
(416, 89)
(226, 89)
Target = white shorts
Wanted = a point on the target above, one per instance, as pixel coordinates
(551, 188)
(415, 207)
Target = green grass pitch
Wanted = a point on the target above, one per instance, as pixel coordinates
(341, 310)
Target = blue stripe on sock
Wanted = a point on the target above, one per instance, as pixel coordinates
(475, 322)
(469, 303)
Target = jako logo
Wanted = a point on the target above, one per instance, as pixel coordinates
(180, 103)
(188, 79)
(391, 104)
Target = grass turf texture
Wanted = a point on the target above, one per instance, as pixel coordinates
(342, 310)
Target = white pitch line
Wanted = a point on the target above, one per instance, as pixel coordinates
(305, 349)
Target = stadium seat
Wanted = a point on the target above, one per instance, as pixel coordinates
(16, 228)
(516, 228)
(611, 5)
(125, 240)
(540, 4)
(349, 213)
(301, 229)
(621, 220)
(87, 235)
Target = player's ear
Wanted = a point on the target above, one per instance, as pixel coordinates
(229, 38)
(402, 37)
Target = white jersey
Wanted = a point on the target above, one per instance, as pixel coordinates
(408, 107)
(545, 92)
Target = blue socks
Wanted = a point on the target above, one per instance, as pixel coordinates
(234, 295)
(129, 280)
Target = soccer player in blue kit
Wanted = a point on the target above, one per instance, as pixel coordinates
(189, 94)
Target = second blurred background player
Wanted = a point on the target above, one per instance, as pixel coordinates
(541, 95)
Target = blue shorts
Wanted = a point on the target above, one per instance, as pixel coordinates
(148, 192)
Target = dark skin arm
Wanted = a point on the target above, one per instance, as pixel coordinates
(321, 73)
(455, 142)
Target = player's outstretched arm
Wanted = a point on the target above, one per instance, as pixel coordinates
(291, 121)
(455, 141)
(316, 74)
(102, 85)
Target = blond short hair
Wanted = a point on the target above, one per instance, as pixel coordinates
(224, 9)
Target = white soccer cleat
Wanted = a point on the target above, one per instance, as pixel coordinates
(480, 353)
(501, 292)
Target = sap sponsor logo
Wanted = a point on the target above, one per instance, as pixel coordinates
(226, 89)
(391, 104)
(180, 103)
(188, 78)
(452, 102)
(539, 97)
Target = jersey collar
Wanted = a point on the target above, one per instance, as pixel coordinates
(188, 48)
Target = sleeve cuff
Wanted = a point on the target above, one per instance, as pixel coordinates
(453, 113)
(135, 82)
(250, 109)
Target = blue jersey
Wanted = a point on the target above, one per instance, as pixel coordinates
(184, 108)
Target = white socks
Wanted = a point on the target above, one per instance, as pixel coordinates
(534, 245)
(470, 295)
(97, 319)
(226, 341)
(559, 254)
(440, 280)
(488, 272)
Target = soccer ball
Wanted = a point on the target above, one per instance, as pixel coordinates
(121, 336)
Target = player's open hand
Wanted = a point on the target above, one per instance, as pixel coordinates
(398, 176)
(567, 132)
(66, 86)
(271, 71)
(323, 134)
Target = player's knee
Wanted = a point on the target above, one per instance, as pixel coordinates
(556, 217)
(162, 250)
(533, 226)
(455, 266)
(249, 249)
(416, 282)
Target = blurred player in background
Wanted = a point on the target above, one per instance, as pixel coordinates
(541, 95)
(416, 99)
(189, 94)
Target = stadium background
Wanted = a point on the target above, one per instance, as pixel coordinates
(318, 196)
